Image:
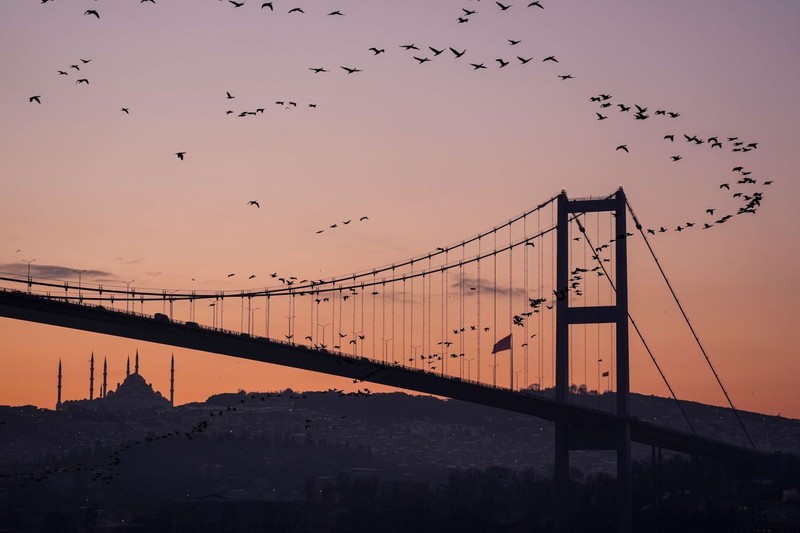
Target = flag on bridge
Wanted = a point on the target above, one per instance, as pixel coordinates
(502, 345)
(605, 374)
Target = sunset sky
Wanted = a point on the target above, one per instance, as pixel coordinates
(432, 153)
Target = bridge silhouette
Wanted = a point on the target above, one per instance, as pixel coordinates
(441, 321)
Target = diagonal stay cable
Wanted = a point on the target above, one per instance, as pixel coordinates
(596, 256)
(689, 323)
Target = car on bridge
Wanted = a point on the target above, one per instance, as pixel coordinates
(161, 317)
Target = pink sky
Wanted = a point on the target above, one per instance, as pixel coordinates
(433, 153)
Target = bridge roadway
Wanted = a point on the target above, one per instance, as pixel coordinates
(588, 428)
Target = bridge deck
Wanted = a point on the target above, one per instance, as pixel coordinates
(593, 428)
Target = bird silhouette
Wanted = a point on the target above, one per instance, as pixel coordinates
(236, 4)
(83, 80)
(523, 60)
(317, 70)
(422, 59)
(600, 117)
(231, 275)
(550, 58)
(512, 42)
(502, 7)
(623, 147)
(476, 66)
(502, 63)
(296, 10)
(377, 51)
(676, 158)
(351, 70)
(180, 155)
(536, 4)
(35, 99)
(457, 53)
(255, 203)
(409, 46)
(92, 12)
(567, 77)
(269, 5)
(337, 12)
(435, 51)
(125, 110)
(62, 73)
(363, 218)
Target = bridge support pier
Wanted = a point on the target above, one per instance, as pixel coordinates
(576, 438)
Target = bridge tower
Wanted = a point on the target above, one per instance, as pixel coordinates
(580, 437)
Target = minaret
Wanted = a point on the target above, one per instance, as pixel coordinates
(105, 378)
(136, 368)
(91, 377)
(172, 381)
(128, 367)
(58, 401)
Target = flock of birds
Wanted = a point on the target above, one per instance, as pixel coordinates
(109, 471)
(751, 199)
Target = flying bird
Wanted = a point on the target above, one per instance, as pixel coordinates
(62, 73)
(180, 155)
(409, 46)
(92, 12)
(317, 70)
(231, 275)
(83, 80)
(477, 66)
(457, 53)
(502, 63)
(536, 4)
(550, 58)
(503, 7)
(351, 70)
(255, 203)
(35, 99)
(337, 12)
(623, 147)
(600, 117)
(296, 10)
(523, 60)
(376, 50)
(512, 42)
(676, 158)
(125, 110)
(229, 96)
(269, 5)
(236, 4)
(363, 218)
(422, 59)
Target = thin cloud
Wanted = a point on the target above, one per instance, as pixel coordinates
(56, 272)
(487, 286)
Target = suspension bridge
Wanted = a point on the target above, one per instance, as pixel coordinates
(523, 304)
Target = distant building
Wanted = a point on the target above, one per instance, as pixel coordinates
(132, 394)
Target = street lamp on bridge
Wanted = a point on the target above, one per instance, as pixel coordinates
(29, 272)
(79, 273)
(251, 325)
(127, 292)
(324, 327)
